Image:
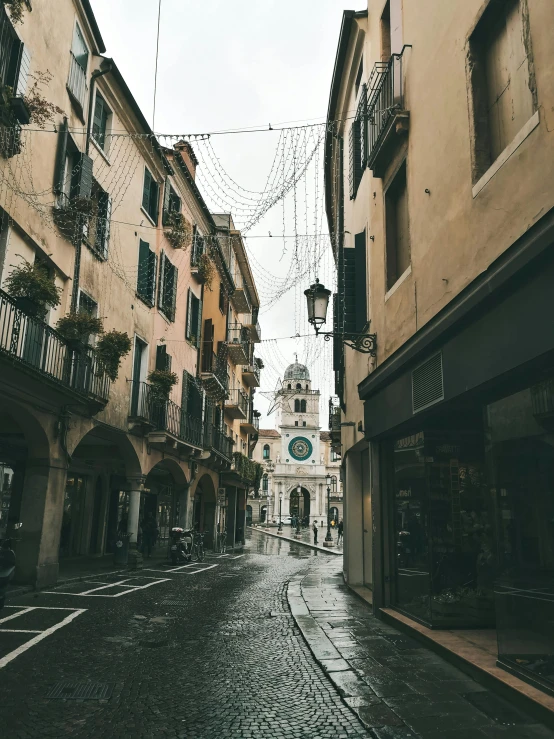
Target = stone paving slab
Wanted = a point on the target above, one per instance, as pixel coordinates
(396, 686)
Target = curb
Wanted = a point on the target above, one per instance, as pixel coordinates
(351, 688)
(327, 550)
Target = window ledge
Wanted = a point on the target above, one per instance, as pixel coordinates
(530, 126)
(404, 276)
(100, 150)
(147, 214)
(144, 300)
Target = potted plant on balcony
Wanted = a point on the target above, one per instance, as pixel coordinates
(161, 382)
(16, 9)
(205, 270)
(33, 289)
(178, 231)
(110, 349)
(77, 327)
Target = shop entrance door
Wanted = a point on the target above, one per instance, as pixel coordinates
(71, 543)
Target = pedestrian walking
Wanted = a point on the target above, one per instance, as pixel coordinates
(149, 534)
(315, 532)
(340, 529)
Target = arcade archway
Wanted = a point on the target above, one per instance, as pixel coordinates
(204, 512)
(300, 503)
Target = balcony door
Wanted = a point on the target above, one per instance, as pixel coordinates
(140, 367)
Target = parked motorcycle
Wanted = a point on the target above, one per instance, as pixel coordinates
(7, 568)
(181, 545)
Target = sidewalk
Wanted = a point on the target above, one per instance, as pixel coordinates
(307, 538)
(398, 688)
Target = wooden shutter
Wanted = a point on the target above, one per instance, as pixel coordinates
(362, 118)
(355, 158)
(143, 269)
(154, 201)
(152, 270)
(337, 343)
(107, 226)
(84, 168)
(172, 288)
(360, 287)
(185, 392)
(199, 323)
(161, 281)
(61, 154)
(188, 329)
(167, 198)
(351, 155)
(24, 69)
(349, 298)
(146, 190)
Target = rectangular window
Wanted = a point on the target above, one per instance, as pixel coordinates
(77, 82)
(100, 121)
(87, 305)
(501, 81)
(167, 288)
(15, 58)
(150, 195)
(97, 231)
(194, 319)
(146, 280)
(386, 33)
(163, 359)
(397, 228)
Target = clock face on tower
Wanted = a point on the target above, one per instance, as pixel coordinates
(300, 448)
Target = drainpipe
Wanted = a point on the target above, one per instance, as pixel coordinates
(77, 268)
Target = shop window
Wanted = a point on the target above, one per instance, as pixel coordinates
(501, 81)
(397, 228)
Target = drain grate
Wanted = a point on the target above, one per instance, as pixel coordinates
(175, 603)
(81, 691)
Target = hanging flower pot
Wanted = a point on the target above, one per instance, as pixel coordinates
(76, 328)
(110, 349)
(205, 270)
(161, 382)
(33, 289)
(178, 231)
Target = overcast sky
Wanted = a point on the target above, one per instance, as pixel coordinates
(233, 64)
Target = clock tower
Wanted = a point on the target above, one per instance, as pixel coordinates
(298, 418)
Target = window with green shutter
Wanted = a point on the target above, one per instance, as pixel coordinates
(194, 319)
(150, 195)
(100, 121)
(167, 289)
(146, 280)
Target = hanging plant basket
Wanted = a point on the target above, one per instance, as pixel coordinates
(33, 289)
(178, 231)
(110, 349)
(161, 382)
(206, 270)
(77, 327)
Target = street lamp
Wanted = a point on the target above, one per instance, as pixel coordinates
(280, 529)
(317, 297)
(298, 491)
(328, 539)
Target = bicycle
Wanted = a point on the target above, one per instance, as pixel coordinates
(198, 552)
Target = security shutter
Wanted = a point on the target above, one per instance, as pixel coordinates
(360, 281)
(349, 299)
(427, 383)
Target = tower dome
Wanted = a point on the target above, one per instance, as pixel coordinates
(297, 371)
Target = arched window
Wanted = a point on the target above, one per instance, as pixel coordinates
(302, 406)
(298, 386)
(266, 451)
(289, 386)
(297, 406)
(307, 388)
(265, 484)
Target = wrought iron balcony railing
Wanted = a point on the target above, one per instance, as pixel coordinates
(385, 98)
(214, 371)
(238, 343)
(39, 347)
(237, 403)
(164, 415)
(197, 250)
(215, 440)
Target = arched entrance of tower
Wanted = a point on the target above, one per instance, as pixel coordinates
(204, 511)
(300, 503)
(164, 498)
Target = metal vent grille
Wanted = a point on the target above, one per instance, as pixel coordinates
(427, 383)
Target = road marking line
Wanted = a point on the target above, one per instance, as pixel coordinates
(20, 631)
(15, 615)
(194, 572)
(92, 593)
(238, 556)
(39, 637)
(141, 587)
(47, 608)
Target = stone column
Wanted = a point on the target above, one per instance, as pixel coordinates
(241, 514)
(38, 541)
(353, 521)
(136, 485)
(231, 516)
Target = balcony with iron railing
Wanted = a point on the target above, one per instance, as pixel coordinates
(163, 418)
(215, 441)
(251, 373)
(214, 372)
(238, 343)
(387, 118)
(251, 423)
(77, 81)
(250, 321)
(236, 405)
(240, 298)
(198, 249)
(334, 418)
(37, 348)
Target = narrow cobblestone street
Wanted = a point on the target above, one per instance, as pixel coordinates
(215, 650)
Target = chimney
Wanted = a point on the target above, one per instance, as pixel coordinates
(187, 152)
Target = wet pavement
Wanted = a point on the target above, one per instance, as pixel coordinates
(215, 650)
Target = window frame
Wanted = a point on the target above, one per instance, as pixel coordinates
(167, 306)
(400, 171)
(102, 144)
(151, 205)
(150, 278)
